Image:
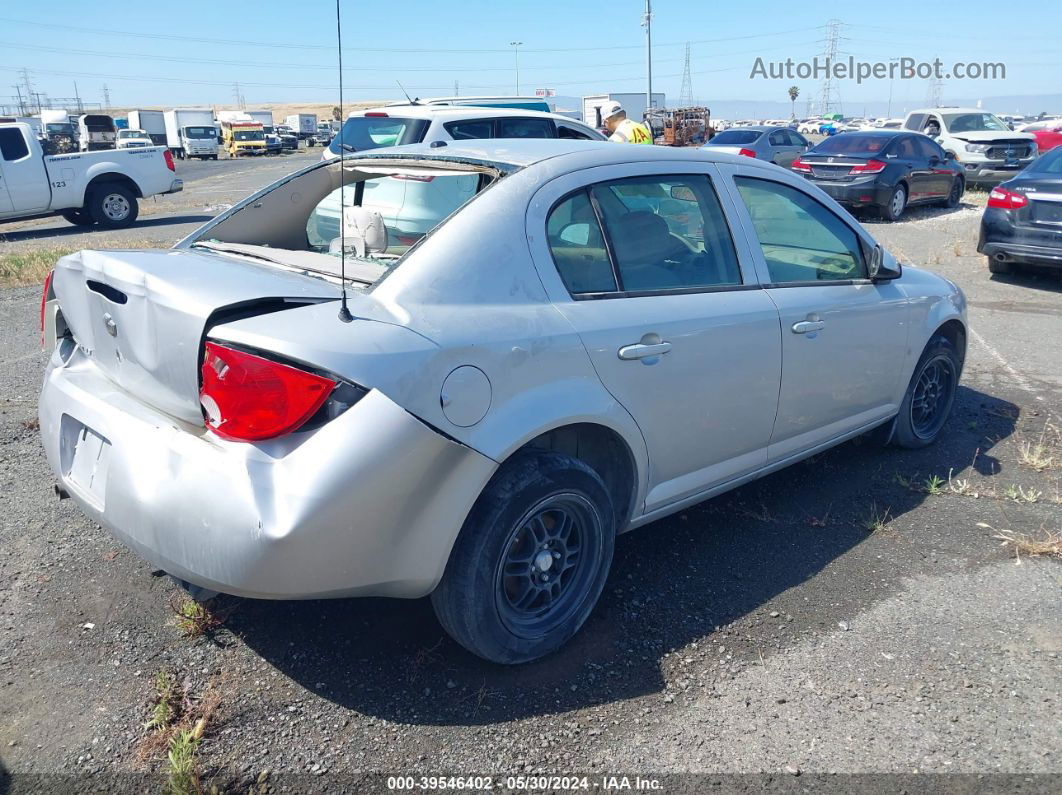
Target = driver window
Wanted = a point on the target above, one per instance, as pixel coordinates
(667, 233)
(801, 239)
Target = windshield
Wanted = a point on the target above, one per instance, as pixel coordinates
(200, 132)
(735, 137)
(1050, 163)
(853, 144)
(974, 122)
(372, 132)
(249, 135)
(132, 134)
(61, 129)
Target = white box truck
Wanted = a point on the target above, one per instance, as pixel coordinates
(304, 125)
(263, 117)
(153, 122)
(190, 133)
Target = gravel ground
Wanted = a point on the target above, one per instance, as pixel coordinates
(769, 631)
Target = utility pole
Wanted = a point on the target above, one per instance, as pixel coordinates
(647, 20)
(106, 97)
(457, 89)
(77, 96)
(686, 92)
(935, 93)
(21, 103)
(516, 51)
(27, 84)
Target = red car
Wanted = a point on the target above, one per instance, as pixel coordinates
(1048, 134)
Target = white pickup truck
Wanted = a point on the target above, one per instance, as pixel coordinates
(84, 187)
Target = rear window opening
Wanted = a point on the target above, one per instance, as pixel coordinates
(853, 144)
(381, 212)
(735, 137)
(361, 133)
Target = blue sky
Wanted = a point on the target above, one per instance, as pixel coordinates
(283, 51)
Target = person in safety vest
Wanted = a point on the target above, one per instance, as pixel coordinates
(624, 130)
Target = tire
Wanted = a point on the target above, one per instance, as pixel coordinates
(897, 204)
(958, 187)
(486, 601)
(79, 217)
(930, 395)
(999, 268)
(113, 206)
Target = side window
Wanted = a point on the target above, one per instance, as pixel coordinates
(469, 130)
(915, 121)
(802, 240)
(667, 233)
(570, 133)
(906, 148)
(578, 247)
(525, 128)
(12, 144)
(928, 149)
(779, 138)
(796, 139)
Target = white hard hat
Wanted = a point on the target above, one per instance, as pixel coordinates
(610, 109)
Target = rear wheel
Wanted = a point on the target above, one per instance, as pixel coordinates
(955, 195)
(997, 267)
(896, 205)
(531, 559)
(930, 395)
(113, 206)
(78, 217)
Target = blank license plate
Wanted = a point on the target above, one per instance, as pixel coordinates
(87, 460)
(1047, 212)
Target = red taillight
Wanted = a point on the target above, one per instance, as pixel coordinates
(247, 398)
(168, 157)
(869, 167)
(377, 114)
(44, 300)
(746, 152)
(801, 165)
(1006, 199)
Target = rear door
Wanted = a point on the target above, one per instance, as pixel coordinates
(643, 264)
(25, 177)
(5, 199)
(843, 336)
(939, 176)
(783, 151)
(920, 176)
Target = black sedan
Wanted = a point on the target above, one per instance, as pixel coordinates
(885, 169)
(1022, 224)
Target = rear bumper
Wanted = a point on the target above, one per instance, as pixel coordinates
(176, 186)
(370, 504)
(865, 193)
(1000, 238)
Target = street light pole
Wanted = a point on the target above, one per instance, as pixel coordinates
(648, 22)
(516, 52)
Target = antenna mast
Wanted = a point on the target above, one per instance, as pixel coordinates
(344, 312)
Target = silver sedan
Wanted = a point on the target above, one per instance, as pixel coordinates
(778, 145)
(537, 345)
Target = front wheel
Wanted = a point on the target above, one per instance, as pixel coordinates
(78, 217)
(531, 560)
(930, 395)
(896, 205)
(113, 206)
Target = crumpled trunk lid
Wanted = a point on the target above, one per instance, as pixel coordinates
(142, 315)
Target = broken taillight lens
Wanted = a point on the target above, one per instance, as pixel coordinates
(248, 398)
(44, 300)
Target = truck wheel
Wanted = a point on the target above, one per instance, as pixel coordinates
(79, 217)
(113, 206)
(531, 560)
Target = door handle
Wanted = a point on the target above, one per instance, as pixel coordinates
(643, 350)
(804, 326)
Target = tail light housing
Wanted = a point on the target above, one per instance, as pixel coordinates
(1004, 199)
(746, 152)
(249, 398)
(44, 300)
(167, 155)
(801, 165)
(869, 167)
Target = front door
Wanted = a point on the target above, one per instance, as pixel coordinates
(24, 174)
(843, 336)
(674, 324)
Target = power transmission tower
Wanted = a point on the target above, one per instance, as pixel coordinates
(238, 96)
(457, 89)
(935, 93)
(106, 97)
(27, 84)
(21, 102)
(686, 92)
(830, 96)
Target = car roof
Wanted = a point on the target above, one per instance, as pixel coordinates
(878, 132)
(461, 112)
(951, 110)
(756, 127)
(513, 154)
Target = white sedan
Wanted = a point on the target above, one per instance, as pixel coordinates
(596, 336)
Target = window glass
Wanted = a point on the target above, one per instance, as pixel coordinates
(12, 144)
(779, 138)
(1050, 163)
(667, 233)
(736, 137)
(468, 130)
(915, 122)
(570, 133)
(578, 247)
(927, 148)
(905, 148)
(525, 128)
(801, 239)
(853, 144)
(796, 139)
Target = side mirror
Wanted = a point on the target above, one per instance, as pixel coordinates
(882, 266)
(683, 193)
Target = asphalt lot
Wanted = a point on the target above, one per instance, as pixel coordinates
(771, 630)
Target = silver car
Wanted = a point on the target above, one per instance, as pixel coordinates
(779, 145)
(601, 336)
